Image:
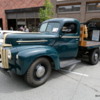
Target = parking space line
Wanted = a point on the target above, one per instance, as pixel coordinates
(81, 74)
(76, 73)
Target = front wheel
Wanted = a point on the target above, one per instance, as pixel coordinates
(39, 72)
(94, 57)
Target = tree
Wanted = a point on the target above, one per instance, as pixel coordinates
(46, 12)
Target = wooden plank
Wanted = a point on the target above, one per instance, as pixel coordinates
(91, 43)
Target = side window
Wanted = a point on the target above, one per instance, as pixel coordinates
(69, 28)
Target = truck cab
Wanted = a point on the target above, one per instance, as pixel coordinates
(58, 44)
(67, 32)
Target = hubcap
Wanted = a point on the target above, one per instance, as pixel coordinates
(96, 57)
(40, 71)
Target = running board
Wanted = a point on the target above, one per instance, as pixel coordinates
(67, 63)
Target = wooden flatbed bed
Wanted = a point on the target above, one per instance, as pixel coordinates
(91, 44)
(85, 43)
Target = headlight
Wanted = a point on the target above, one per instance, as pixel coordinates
(9, 54)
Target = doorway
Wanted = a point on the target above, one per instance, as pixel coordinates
(1, 23)
(12, 23)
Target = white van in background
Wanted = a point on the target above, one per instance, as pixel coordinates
(3, 32)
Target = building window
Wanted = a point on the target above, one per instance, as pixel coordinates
(60, 0)
(93, 7)
(69, 8)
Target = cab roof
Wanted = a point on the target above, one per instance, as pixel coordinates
(62, 20)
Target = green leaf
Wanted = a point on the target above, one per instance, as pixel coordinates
(46, 12)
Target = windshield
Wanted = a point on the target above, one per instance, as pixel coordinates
(51, 27)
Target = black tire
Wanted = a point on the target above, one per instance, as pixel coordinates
(32, 76)
(94, 56)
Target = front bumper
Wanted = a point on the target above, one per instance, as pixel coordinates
(4, 58)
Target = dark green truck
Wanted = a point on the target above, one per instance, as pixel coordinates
(59, 43)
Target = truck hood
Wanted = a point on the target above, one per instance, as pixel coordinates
(31, 39)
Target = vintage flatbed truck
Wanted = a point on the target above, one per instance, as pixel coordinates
(61, 42)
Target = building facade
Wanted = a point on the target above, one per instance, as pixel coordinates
(86, 11)
(16, 13)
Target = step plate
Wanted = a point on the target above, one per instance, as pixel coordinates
(66, 63)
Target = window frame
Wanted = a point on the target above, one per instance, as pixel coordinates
(70, 32)
(52, 22)
(92, 10)
(68, 11)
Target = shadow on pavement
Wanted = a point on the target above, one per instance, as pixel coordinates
(17, 83)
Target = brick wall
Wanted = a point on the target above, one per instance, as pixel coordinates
(83, 15)
(16, 4)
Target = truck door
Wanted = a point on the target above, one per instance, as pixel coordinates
(69, 41)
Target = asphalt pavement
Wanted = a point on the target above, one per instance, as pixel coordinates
(80, 82)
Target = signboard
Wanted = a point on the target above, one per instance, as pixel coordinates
(96, 35)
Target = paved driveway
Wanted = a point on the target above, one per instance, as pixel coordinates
(79, 83)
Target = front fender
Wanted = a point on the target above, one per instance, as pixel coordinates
(27, 57)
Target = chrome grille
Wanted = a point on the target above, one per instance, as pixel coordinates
(4, 58)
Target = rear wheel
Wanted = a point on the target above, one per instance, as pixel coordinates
(39, 72)
(94, 56)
